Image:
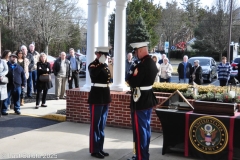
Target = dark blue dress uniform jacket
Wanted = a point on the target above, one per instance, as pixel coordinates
(99, 73)
(147, 72)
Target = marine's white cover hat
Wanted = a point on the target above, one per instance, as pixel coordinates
(102, 49)
(139, 45)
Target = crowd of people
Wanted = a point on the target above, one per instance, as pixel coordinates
(26, 72)
(194, 74)
(29, 67)
(187, 73)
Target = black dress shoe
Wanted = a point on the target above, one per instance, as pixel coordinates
(97, 155)
(43, 105)
(104, 153)
(18, 112)
(4, 113)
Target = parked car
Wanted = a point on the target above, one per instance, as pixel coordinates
(209, 67)
(51, 60)
(235, 62)
(82, 73)
(234, 71)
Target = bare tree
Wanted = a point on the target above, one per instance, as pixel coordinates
(52, 19)
(212, 31)
(172, 23)
(42, 21)
(192, 8)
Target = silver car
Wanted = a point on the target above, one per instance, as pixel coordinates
(209, 67)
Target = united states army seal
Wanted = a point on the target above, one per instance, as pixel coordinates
(208, 135)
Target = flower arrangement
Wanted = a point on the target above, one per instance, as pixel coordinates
(169, 87)
(205, 93)
(172, 87)
(189, 94)
(210, 88)
(215, 97)
(237, 98)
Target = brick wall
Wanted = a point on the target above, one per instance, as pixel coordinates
(119, 111)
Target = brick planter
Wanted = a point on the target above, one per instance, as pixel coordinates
(119, 111)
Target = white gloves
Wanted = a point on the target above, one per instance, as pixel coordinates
(102, 59)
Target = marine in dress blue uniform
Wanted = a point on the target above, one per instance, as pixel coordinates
(99, 99)
(141, 78)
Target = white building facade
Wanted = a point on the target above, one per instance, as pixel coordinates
(97, 35)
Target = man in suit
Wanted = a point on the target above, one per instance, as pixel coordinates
(141, 81)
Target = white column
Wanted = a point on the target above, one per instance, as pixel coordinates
(119, 47)
(92, 32)
(103, 23)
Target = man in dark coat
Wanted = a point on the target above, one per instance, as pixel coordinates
(63, 72)
(141, 82)
(16, 81)
(184, 69)
(99, 99)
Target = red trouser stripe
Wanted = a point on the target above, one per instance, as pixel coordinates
(186, 133)
(138, 138)
(231, 133)
(92, 131)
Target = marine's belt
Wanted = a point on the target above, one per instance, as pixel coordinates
(145, 88)
(100, 85)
